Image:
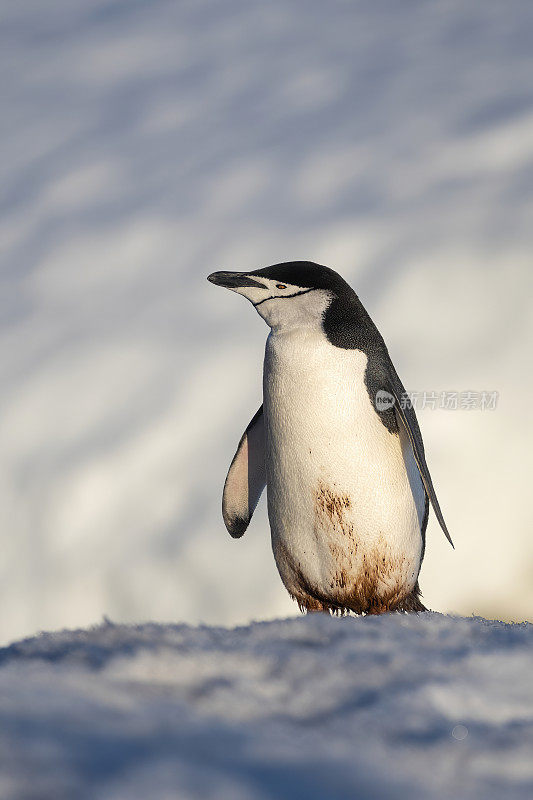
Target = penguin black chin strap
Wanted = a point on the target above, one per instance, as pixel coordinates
(283, 296)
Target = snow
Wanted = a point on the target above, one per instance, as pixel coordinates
(420, 706)
(145, 145)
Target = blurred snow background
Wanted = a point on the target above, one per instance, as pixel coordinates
(145, 145)
(426, 707)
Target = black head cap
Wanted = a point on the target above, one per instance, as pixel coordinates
(304, 273)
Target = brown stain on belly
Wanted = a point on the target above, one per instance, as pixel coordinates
(380, 568)
(359, 597)
(368, 596)
(343, 594)
(330, 508)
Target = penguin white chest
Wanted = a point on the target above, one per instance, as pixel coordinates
(345, 499)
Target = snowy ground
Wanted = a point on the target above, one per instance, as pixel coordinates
(146, 144)
(315, 707)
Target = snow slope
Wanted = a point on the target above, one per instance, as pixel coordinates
(316, 707)
(146, 144)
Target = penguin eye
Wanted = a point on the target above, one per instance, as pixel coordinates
(280, 286)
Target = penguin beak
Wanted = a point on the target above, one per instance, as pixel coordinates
(233, 280)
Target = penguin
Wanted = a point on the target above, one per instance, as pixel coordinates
(336, 445)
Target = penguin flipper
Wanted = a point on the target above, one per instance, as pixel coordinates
(406, 417)
(246, 478)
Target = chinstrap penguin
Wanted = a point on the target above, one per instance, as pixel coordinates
(336, 445)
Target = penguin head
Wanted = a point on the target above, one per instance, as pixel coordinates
(287, 295)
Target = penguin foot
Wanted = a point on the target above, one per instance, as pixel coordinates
(373, 605)
(311, 605)
(412, 602)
